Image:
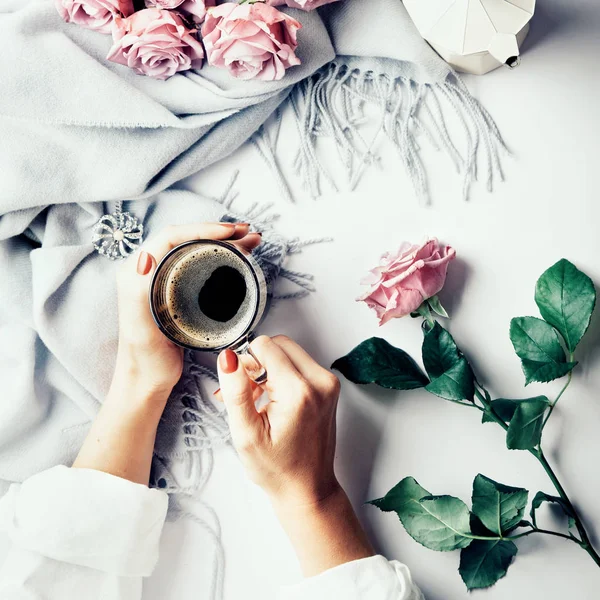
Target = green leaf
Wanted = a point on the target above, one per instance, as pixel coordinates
(504, 408)
(402, 498)
(376, 361)
(424, 311)
(478, 528)
(443, 525)
(440, 352)
(483, 563)
(566, 298)
(525, 429)
(524, 523)
(437, 522)
(456, 384)
(450, 373)
(542, 497)
(437, 308)
(499, 507)
(538, 346)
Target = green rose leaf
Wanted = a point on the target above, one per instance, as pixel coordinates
(499, 507)
(504, 408)
(542, 497)
(402, 498)
(525, 429)
(538, 346)
(483, 563)
(376, 361)
(437, 522)
(450, 373)
(566, 298)
(437, 308)
(478, 528)
(440, 352)
(443, 524)
(456, 384)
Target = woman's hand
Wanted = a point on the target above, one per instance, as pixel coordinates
(288, 448)
(121, 440)
(145, 355)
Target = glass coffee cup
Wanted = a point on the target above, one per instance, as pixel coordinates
(208, 295)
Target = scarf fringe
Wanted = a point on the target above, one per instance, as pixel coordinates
(332, 104)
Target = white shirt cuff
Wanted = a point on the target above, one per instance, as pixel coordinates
(88, 518)
(373, 578)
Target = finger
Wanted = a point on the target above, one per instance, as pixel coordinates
(134, 277)
(248, 243)
(257, 392)
(306, 365)
(282, 374)
(237, 393)
(241, 230)
(175, 235)
(135, 317)
(137, 284)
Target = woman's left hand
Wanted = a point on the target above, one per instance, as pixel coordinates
(145, 355)
(121, 440)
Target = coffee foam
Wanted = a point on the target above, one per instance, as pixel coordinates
(186, 277)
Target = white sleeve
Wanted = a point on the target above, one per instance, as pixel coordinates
(373, 578)
(79, 533)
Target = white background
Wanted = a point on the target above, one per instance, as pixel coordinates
(547, 110)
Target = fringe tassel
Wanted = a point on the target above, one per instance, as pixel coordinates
(331, 104)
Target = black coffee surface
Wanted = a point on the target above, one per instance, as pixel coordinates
(223, 294)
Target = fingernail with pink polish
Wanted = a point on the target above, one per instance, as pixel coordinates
(144, 263)
(228, 361)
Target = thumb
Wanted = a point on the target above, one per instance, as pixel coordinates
(238, 395)
(133, 282)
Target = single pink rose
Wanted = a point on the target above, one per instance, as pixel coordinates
(405, 279)
(156, 43)
(94, 14)
(194, 10)
(250, 40)
(301, 4)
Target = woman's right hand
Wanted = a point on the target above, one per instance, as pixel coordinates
(288, 448)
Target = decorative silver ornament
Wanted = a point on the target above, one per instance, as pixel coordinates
(117, 235)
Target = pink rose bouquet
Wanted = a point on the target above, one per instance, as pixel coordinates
(155, 42)
(251, 40)
(94, 14)
(406, 278)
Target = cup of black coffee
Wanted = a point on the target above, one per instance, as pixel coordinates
(208, 295)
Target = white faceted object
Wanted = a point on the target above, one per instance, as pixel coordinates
(474, 36)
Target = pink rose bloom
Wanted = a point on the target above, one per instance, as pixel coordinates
(94, 14)
(194, 10)
(301, 4)
(405, 279)
(250, 40)
(156, 43)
